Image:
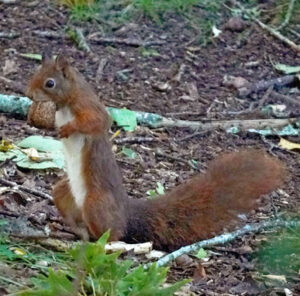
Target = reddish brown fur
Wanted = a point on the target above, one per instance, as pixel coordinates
(64, 201)
(208, 203)
(192, 211)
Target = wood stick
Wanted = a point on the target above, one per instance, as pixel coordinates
(288, 15)
(270, 30)
(244, 125)
(126, 41)
(9, 35)
(224, 238)
(25, 189)
(265, 84)
(133, 140)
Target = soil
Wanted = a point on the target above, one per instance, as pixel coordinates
(136, 81)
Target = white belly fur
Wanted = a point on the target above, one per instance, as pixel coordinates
(72, 149)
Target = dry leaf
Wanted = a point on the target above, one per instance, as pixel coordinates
(32, 154)
(285, 144)
(236, 82)
(9, 67)
(279, 278)
(6, 145)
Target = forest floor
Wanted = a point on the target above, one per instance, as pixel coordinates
(179, 78)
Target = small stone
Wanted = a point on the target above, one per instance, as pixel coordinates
(235, 24)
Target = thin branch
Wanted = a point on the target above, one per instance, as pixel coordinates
(17, 87)
(278, 35)
(251, 108)
(134, 140)
(9, 35)
(77, 36)
(188, 137)
(25, 189)
(272, 31)
(100, 70)
(286, 98)
(244, 125)
(288, 15)
(159, 152)
(47, 34)
(126, 41)
(9, 1)
(11, 104)
(265, 84)
(225, 238)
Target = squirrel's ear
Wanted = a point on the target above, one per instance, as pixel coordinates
(46, 57)
(62, 64)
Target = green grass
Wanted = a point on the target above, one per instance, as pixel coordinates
(118, 11)
(198, 15)
(83, 270)
(280, 255)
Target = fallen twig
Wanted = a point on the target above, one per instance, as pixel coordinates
(188, 137)
(159, 152)
(126, 41)
(244, 125)
(286, 98)
(251, 108)
(9, 214)
(9, 1)
(9, 35)
(295, 33)
(278, 35)
(133, 140)
(25, 189)
(225, 238)
(180, 73)
(288, 15)
(272, 31)
(47, 34)
(20, 105)
(100, 69)
(265, 84)
(41, 236)
(77, 36)
(13, 85)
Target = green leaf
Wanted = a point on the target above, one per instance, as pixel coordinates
(32, 56)
(8, 155)
(286, 68)
(51, 152)
(160, 188)
(151, 192)
(124, 118)
(193, 163)
(148, 52)
(129, 152)
(104, 238)
(45, 144)
(103, 274)
(201, 254)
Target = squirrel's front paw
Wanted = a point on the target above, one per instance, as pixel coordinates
(66, 131)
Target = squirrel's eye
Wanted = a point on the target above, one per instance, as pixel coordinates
(50, 83)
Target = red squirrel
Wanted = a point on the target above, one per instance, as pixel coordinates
(92, 198)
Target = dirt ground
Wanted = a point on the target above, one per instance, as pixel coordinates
(134, 80)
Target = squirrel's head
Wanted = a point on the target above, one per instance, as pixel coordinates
(54, 81)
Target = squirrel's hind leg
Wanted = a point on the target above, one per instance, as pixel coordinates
(65, 203)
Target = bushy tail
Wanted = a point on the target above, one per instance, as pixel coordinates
(206, 204)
